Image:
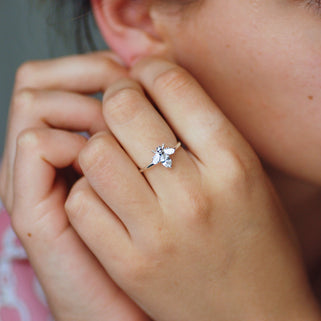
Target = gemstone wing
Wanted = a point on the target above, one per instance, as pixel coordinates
(169, 151)
(156, 159)
(167, 163)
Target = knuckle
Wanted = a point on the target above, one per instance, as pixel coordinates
(175, 78)
(123, 105)
(91, 155)
(30, 137)
(23, 101)
(106, 64)
(24, 73)
(75, 204)
(237, 171)
(241, 172)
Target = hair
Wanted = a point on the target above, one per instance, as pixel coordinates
(72, 20)
(82, 14)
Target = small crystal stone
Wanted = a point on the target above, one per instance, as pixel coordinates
(169, 151)
(156, 158)
(168, 163)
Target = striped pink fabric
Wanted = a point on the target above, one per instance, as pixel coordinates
(21, 296)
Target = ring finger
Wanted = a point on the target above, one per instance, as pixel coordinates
(139, 128)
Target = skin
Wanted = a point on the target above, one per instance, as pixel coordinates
(268, 58)
(267, 55)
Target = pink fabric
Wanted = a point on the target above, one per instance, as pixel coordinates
(21, 296)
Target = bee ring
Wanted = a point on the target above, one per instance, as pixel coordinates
(162, 156)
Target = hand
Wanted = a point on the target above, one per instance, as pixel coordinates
(205, 240)
(40, 163)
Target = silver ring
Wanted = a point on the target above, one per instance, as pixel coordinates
(162, 156)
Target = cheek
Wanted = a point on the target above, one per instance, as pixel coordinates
(266, 78)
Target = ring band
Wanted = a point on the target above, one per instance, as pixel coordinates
(162, 156)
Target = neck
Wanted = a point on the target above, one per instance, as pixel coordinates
(302, 201)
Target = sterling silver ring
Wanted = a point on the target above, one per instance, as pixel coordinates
(162, 156)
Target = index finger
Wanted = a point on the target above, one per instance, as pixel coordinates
(189, 111)
(87, 73)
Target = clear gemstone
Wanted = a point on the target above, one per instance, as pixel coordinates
(156, 159)
(169, 151)
(168, 163)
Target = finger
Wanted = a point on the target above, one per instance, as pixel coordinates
(189, 111)
(68, 73)
(105, 235)
(95, 222)
(140, 129)
(61, 260)
(116, 179)
(89, 73)
(71, 275)
(40, 109)
(63, 110)
(59, 109)
(39, 153)
(63, 74)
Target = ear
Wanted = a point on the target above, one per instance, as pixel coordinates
(129, 28)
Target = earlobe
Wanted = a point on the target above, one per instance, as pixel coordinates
(128, 28)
